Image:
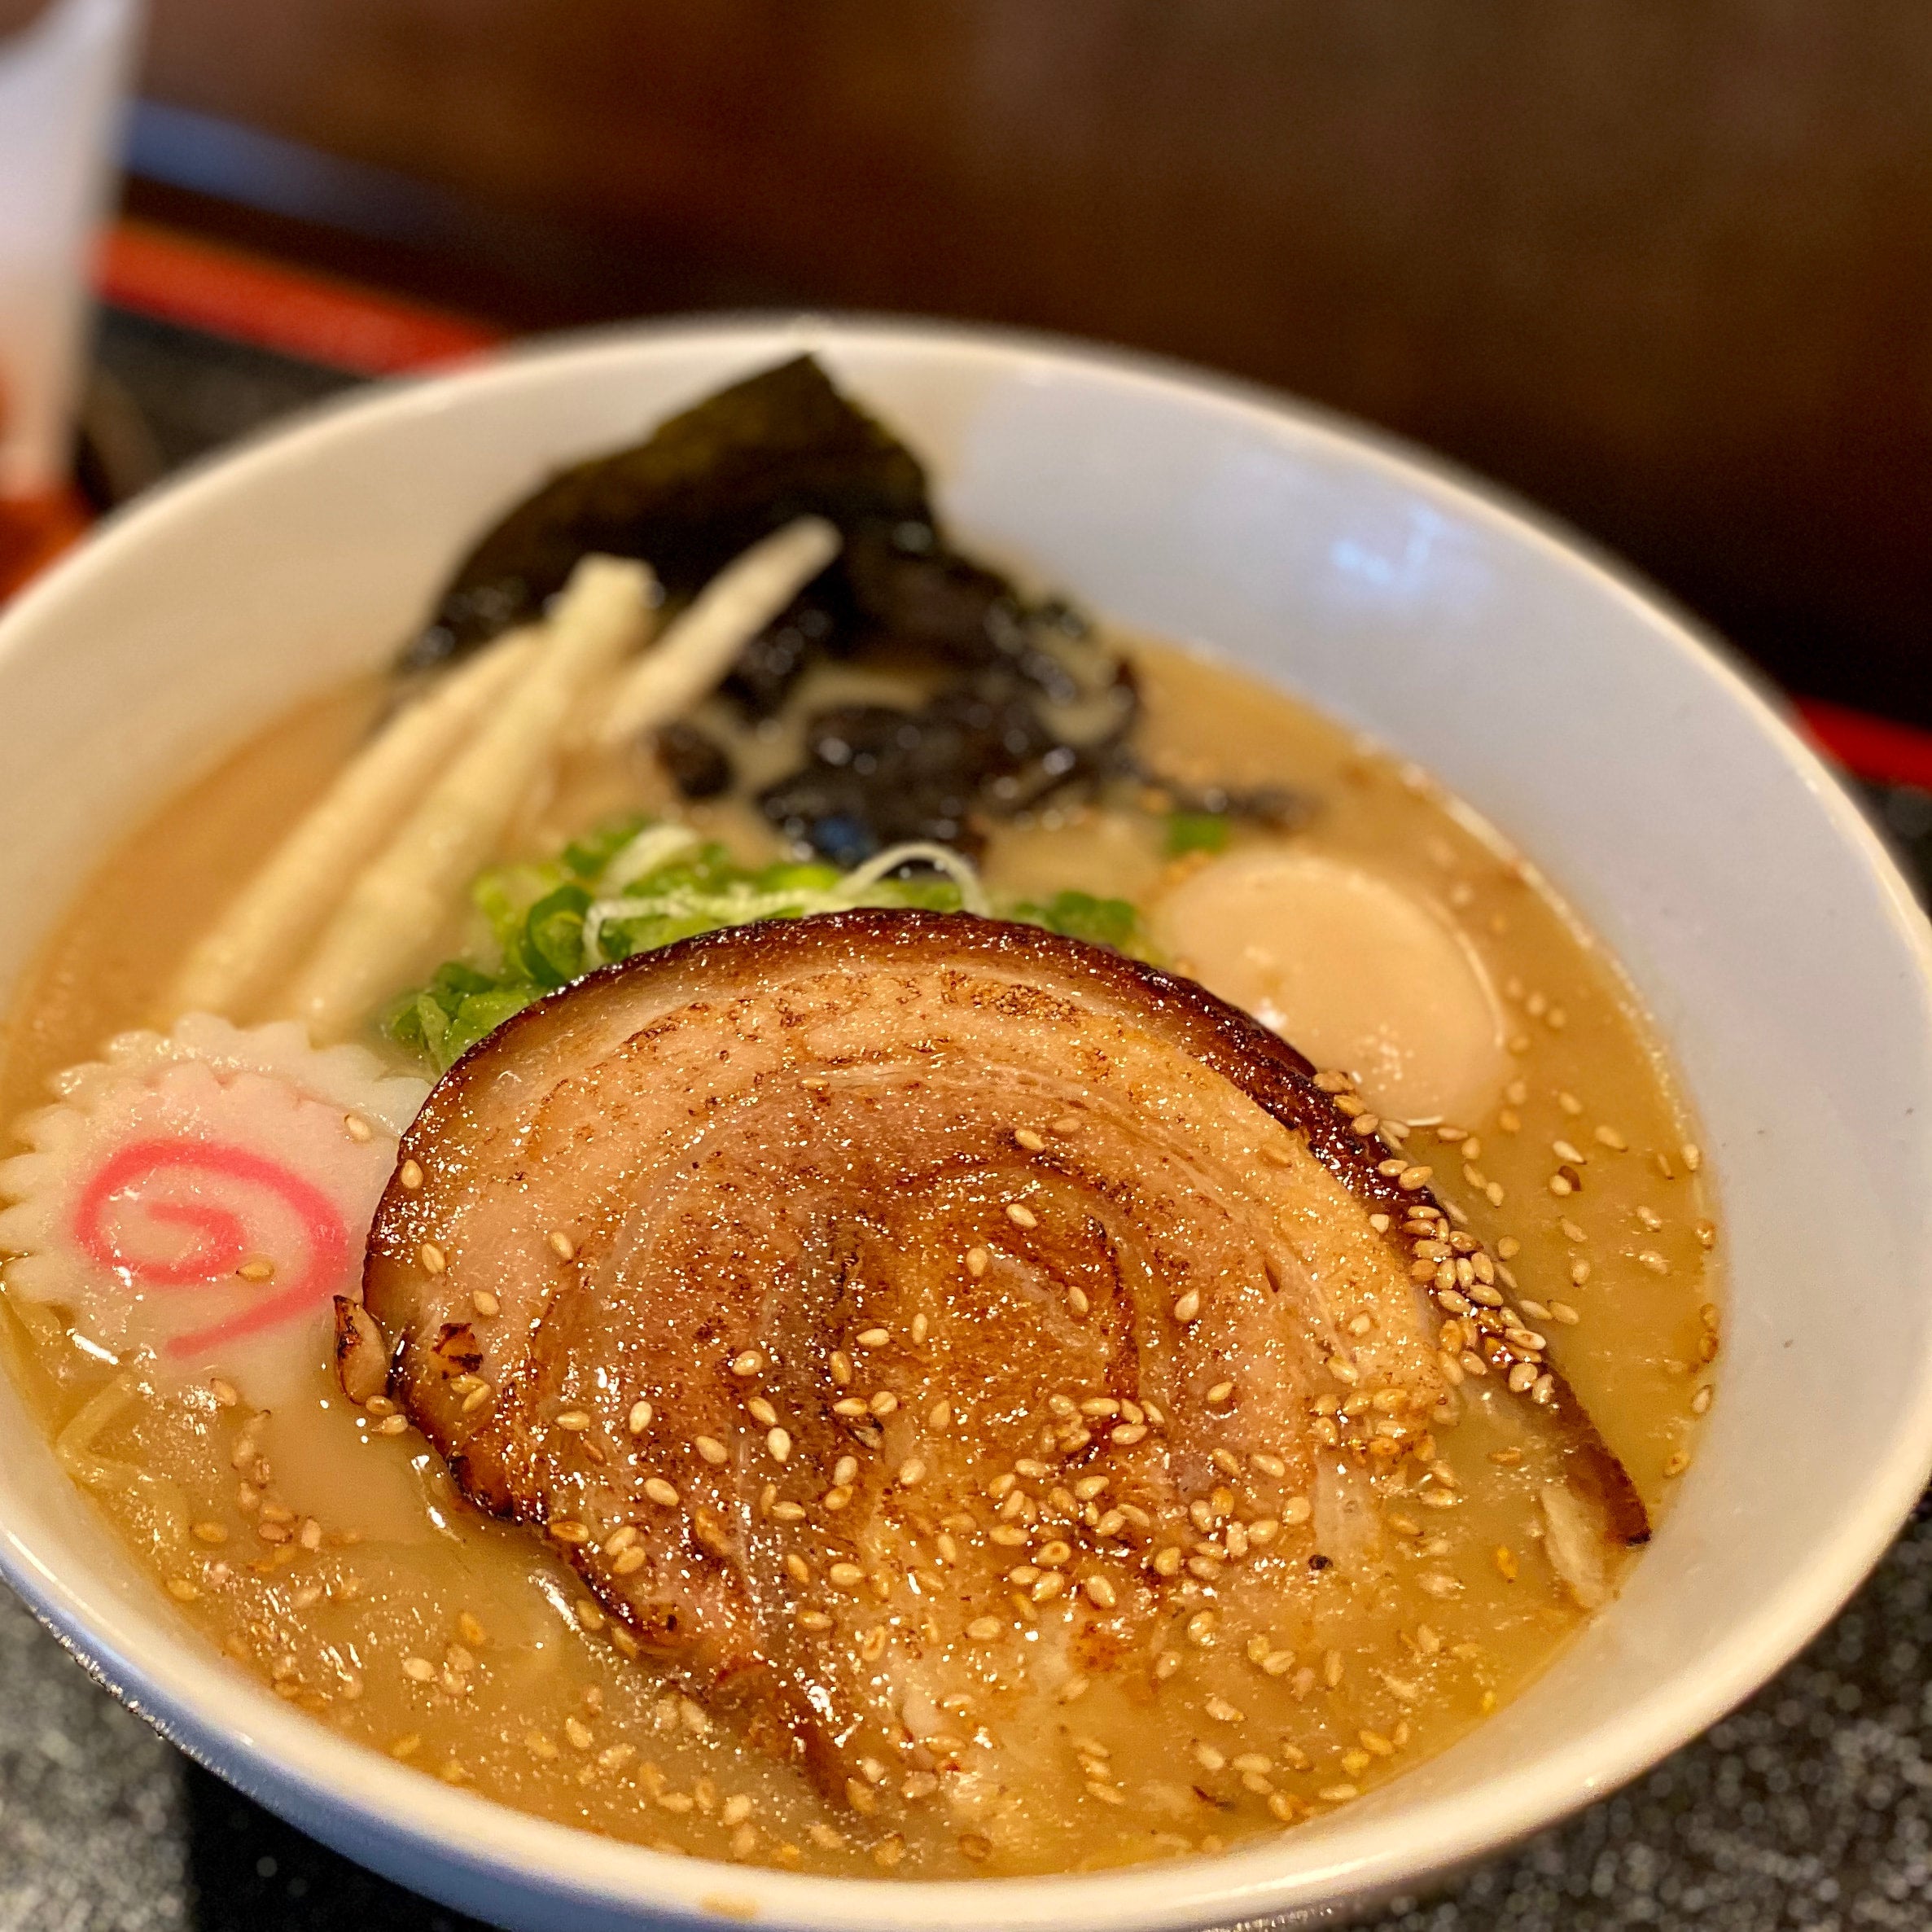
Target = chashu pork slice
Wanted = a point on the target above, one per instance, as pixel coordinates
(821, 1287)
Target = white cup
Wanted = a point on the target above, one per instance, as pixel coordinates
(62, 81)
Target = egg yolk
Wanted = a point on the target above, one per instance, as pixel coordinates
(1356, 972)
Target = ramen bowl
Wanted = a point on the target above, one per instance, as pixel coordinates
(1764, 928)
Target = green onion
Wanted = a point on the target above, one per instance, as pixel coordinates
(1196, 831)
(631, 886)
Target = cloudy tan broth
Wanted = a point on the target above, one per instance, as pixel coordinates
(333, 1560)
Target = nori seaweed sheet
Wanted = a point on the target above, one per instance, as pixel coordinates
(704, 486)
(709, 483)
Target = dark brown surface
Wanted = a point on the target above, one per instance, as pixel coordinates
(1665, 265)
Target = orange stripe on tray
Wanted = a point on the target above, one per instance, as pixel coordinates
(227, 291)
(1878, 750)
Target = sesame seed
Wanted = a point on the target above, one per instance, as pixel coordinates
(1031, 1142)
(885, 1403)
(257, 1270)
(432, 1258)
(976, 1262)
(1700, 1401)
(357, 1129)
(713, 1451)
(418, 1670)
(485, 1303)
(640, 1417)
(1021, 1215)
(391, 1424)
(873, 1338)
(1505, 1562)
(1562, 1311)
(982, 1630)
(762, 1411)
(660, 1491)
(563, 1245)
(483, 1393)
(1609, 1138)
(1412, 1178)
(1220, 1392)
(1677, 1462)
(749, 1363)
(1128, 1434)
(1655, 1262)
(1188, 1306)
(1100, 1591)
(1694, 1155)
(410, 1175)
(911, 1472)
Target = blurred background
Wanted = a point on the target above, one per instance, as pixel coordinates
(1662, 266)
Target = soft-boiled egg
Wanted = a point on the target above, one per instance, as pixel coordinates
(1355, 970)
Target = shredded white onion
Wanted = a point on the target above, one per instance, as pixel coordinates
(656, 845)
(740, 904)
(941, 858)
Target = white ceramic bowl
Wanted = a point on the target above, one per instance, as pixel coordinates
(1770, 935)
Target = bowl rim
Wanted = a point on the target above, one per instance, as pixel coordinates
(254, 1739)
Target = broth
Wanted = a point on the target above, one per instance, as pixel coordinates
(325, 1551)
